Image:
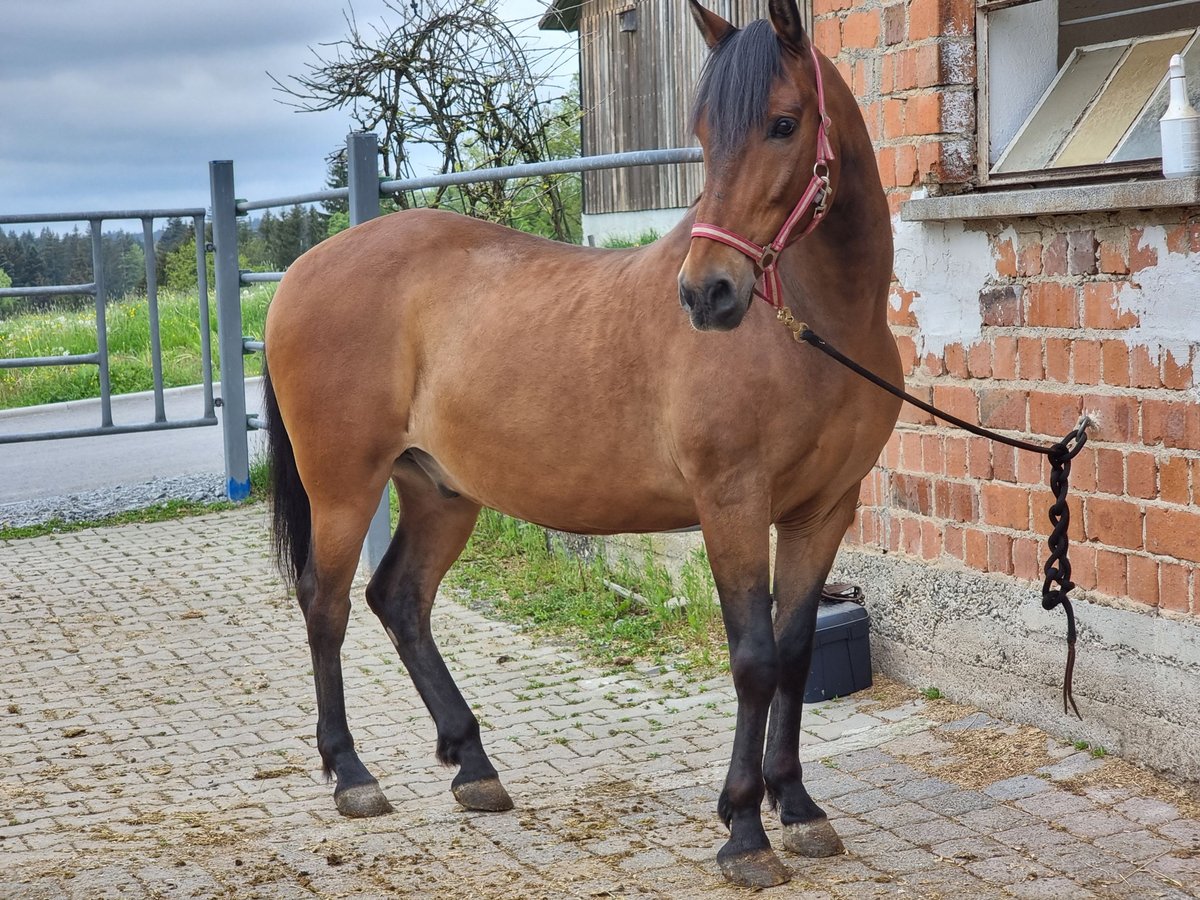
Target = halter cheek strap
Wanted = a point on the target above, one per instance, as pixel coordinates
(816, 198)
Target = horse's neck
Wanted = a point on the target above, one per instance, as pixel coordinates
(845, 265)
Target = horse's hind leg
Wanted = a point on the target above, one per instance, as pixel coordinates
(324, 594)
(432, 532)
(804, 556)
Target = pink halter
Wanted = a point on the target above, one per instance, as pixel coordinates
(816, 196)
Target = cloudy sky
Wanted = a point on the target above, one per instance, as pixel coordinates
(120, 104)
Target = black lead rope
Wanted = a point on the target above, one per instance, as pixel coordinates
(1057, 584)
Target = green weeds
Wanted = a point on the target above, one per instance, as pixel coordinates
(528, 580)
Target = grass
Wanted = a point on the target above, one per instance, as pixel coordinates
(61, 332)
(617, 242)
(526, 580)
(931, 693)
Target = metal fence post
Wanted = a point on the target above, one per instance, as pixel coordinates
(229, 330)
(362, 157)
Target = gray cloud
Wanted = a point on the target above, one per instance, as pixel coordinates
(119, 104)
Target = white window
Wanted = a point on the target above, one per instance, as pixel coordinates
(1072, 89)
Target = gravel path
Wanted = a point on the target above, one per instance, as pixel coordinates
(103, 502)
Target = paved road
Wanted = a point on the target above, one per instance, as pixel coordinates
(156, 720)
(53, 468)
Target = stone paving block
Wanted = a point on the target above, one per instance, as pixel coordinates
(1016, 788)
(615, 773)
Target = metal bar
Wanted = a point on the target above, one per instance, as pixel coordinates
(229, 330)
(151, 258)
(252, 346)
(45, 290)
(259, 277)
(362, 155)
(553, 167)
(202, 294)
(78, 359)
(37, 218)
(256, 423)
(101, 323)
(245, 206)
(97, 432)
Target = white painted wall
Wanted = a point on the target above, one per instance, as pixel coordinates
(598, 227)
(1166, 299)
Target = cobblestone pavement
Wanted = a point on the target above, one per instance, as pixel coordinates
(156, 719)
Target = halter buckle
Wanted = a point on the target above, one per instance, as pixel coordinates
(767, 258)
(821, 173)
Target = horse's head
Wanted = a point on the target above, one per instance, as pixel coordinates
(767, 159)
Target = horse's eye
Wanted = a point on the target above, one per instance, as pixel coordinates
(783, 127)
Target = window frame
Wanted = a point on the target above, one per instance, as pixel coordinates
(1065, 174)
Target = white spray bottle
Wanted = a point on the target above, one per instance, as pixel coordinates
(1179, 127)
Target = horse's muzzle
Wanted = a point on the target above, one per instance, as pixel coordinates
(713, 305)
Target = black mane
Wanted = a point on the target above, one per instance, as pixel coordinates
(735, 85)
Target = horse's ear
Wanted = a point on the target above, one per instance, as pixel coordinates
(788, 25)
(711, 26)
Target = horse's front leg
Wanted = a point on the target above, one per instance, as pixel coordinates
(803, 558)
(737, 539)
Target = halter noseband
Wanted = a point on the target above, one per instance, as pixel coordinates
(816, 196)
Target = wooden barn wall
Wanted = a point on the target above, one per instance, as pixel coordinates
(637, 89)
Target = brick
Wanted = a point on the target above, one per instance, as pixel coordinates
(1173, 590)
(1140, 257)
(1058, 360)
(1143, 371)
(924, 19)
(1004, 358)
(1085, 361)
(1111, 573)
(1141, 471)
(1029, 359)
(911, 493)
(1116, 417)
(1114, 359)
(1110, 471)
(979, 458)
(1117, 523)
(1006, 258)
(1029, 255)
(1004, 463)
(955, 361)
(893, 119)
(1083, 566)
(893, 24)
(958, 401)
(954, 449)
(1054, 256)
(1173, 532)
(1027, 561)
(1051, 304)
(954, 542)
(1173, 480)
(1003, 409)
(1081, 253)
(929, 69)
(1142, 580)
(923, 114)
(1006, 506)
(1001, 305)
(999, 553)
(827, 35)
(1172, 424)
(1113, 258)
(1178, 375)
(908, 353)
(1053, 414)
(861, 29)
(979, 360)
(977, 549)
(906, 165)
(1100, 307)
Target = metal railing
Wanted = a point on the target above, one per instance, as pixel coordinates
(97, 289)
(364, 192)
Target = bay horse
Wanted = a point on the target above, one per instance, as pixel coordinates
(473, 365)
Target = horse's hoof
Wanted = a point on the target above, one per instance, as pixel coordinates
(812, 839)
(754, 868)
(362, 801)
(485, 795)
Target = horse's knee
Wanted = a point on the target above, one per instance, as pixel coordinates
(755, 667)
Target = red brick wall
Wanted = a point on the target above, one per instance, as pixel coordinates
(1055, 341)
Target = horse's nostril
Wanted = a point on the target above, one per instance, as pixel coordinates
(687, 296)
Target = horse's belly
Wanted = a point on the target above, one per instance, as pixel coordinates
(588, 483)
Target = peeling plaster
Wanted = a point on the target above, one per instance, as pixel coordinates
(944, 267)
(1165, 297)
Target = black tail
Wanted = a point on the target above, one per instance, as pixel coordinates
(290, 508)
